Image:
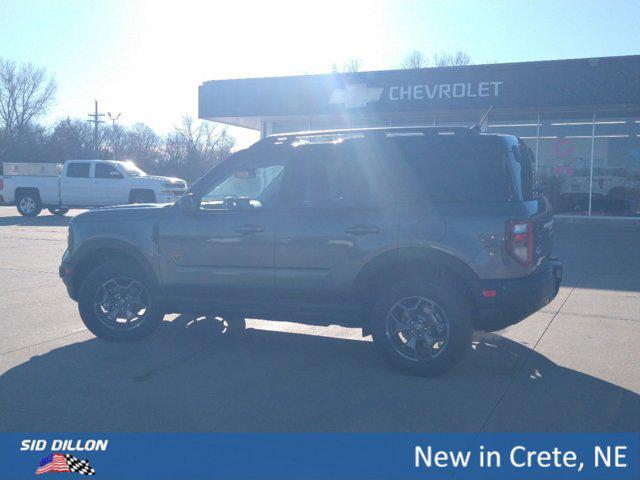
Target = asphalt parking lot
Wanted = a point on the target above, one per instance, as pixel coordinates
(575, 366)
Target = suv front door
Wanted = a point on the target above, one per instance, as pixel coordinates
(222, 254)
(336, 215)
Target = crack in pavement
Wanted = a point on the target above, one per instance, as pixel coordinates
(526, 361)
(74, 332)
(22, 270)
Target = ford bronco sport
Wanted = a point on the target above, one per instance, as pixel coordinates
(416, 235)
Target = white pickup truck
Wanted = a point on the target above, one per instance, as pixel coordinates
(82, 184)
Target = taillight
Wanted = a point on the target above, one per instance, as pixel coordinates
(520, 241)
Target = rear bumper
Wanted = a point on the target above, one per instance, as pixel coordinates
(515, 299)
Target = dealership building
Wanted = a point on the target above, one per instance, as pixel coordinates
(581, 117)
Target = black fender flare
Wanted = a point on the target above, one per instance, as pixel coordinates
(415, 258)
(96, 251)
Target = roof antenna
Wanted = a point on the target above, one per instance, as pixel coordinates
(481, 126)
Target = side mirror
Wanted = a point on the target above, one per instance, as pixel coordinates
(188, 203)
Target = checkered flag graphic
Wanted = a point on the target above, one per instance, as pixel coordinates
(79, 466)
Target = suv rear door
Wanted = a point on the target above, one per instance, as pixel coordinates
(336, 215)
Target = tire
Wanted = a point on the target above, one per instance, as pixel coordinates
(28, 203)
(101, 285)
(58, 212)
(144, 196)
(447, 319)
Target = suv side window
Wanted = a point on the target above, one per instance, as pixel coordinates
(104, 170)
(254, 184)
(336, 176)
(78, 170)
(456, 170)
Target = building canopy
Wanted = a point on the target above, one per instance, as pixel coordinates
(390, 94)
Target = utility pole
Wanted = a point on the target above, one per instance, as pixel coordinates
(114, 118)
(96, 120)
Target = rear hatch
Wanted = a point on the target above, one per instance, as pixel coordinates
(542, 217)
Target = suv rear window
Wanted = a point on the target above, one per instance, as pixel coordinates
(451, 169)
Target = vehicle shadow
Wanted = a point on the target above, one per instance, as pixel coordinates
(42, 220)
(189, 376)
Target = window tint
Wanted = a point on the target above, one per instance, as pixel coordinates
(104, 170)
(78, 170)
(451, 169)
(337, 176)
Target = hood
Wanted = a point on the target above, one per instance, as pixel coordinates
(124, 213)
(164, 179)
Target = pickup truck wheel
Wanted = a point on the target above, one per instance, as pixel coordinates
(28, 204)
(59, 212)
(116, 303)
(422, 328)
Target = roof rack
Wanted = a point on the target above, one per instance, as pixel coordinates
(292, 137)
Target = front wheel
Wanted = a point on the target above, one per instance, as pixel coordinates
(28, 204)
(58, 212)
(421, 327)
(116, 303)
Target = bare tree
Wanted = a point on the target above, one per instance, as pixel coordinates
(70, 138)
(351, 65)
(451, 59)
(415, 59)
(192, 149)
(143, 145)
(26, 92)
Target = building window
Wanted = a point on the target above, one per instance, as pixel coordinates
(564, 160)
(615, 184)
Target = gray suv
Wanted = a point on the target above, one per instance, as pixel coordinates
(416, 235)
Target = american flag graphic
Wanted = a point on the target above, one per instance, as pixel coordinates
(58, 462)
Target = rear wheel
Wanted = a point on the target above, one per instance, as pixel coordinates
(422, 328)
(59, 211)
(28, 204)
(116, 303)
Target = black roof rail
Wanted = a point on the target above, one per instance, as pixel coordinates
(291, 137)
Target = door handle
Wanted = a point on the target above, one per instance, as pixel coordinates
(250, 229)
(360, 230)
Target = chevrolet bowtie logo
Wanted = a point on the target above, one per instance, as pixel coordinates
(356, 95)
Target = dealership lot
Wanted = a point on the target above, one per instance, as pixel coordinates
(571, 367)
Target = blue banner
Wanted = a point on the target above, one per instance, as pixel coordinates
(322, 456)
